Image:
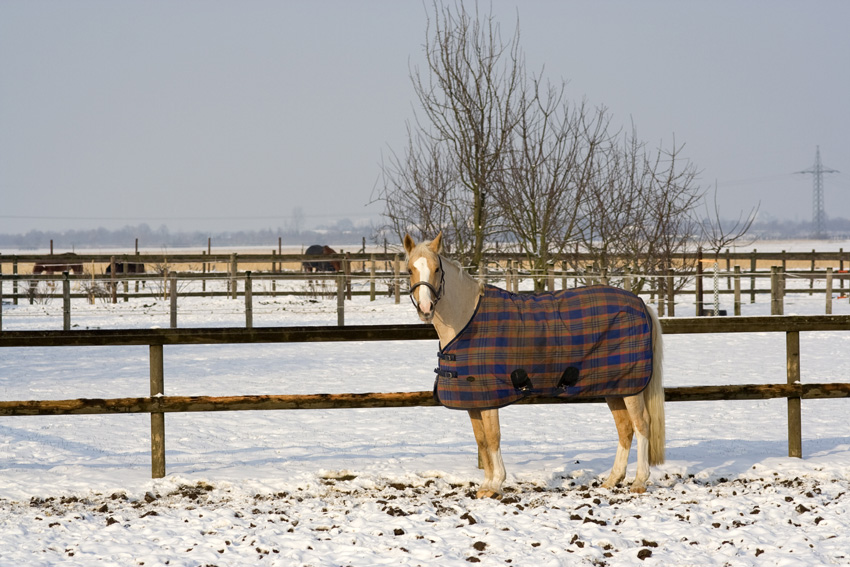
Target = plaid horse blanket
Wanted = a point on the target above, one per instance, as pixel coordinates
(588, 342)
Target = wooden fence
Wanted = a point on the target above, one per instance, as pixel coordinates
(340, 286)
(157, 404)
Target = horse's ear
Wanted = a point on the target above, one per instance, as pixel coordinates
(409, 245)
(437, 244)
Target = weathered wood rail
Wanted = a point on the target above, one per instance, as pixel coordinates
(341, 285)
(157, 404)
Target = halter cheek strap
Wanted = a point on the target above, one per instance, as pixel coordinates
(436, 292)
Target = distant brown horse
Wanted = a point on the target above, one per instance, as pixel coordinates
(58, 264)
(127, 268)
(320, 266)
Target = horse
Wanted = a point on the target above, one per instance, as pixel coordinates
(127, 268)
(450, 299)
(58, 264)
(320, 266)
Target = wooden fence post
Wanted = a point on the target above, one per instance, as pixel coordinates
(753, 266)
(372, 271)
(737, 284)
(699, 283)
(112, 283)
(234, 266)
(14, 282)
(340, 300)
(773, 300)
(274, 271)
(66, 301)
(812, 278)
(662, 296)
(173, 298)
(795, 434)
(828, 290)
(346, 269)
(671, 292)
(777, 291)
(397, 279)
(93, 285)
(249, 301)
(157, 418)
(1, 296)
(517, 275)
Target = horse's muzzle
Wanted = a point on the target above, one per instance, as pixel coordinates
(435, 297)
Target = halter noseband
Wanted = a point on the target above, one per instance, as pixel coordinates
(436, 292)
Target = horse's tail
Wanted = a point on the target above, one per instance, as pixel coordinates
(653, 395)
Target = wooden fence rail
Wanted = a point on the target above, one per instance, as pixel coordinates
(158, 403)
(340, 285)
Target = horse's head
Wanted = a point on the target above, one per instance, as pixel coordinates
(426, 274)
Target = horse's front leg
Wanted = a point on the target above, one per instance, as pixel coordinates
(485, 425)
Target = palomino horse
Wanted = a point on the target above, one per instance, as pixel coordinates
(446, 296)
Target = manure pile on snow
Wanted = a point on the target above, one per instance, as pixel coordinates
(344, 519)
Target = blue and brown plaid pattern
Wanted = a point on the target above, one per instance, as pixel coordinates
(588, 342)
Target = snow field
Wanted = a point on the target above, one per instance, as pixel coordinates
(393, 486)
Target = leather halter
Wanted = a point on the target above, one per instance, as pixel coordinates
(436, 292)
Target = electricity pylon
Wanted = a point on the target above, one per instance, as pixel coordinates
(818, 212)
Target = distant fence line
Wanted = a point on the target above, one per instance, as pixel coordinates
(158, 403)
(752, 259)
(660, 288)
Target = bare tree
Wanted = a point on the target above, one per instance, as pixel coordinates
(610, 211)
(640, 207)
(551, 158)
(495, 152)
(470, 98)
(716, 236)
(419, 191)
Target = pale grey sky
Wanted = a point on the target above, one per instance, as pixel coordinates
(228, 115)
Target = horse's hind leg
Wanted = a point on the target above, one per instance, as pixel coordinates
(624, 445)
(640, 422)
(485, 425)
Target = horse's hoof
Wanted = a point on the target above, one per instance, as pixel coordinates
(482, 494)
(637, 489)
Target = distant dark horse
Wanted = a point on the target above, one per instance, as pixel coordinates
(320, 266)
(127, 268)
(58, 264)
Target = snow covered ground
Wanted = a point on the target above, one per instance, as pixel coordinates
(393, 486)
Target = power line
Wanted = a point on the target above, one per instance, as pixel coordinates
(216, 218)
(752, 180)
